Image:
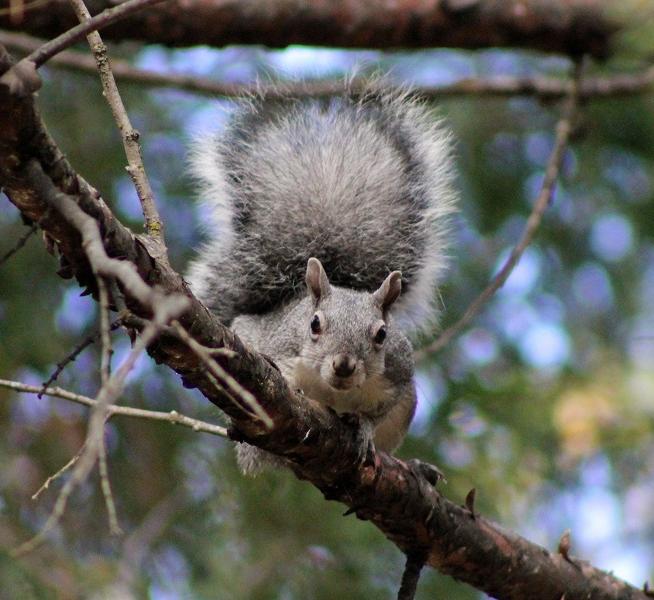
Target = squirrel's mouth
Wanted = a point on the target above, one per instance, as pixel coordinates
(342, 384)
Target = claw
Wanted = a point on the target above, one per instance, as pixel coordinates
(364, 434)
(431, 473)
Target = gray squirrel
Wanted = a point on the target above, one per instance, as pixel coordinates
(328, 233)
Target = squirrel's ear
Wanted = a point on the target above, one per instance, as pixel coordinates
(389, 291)
(317, 280)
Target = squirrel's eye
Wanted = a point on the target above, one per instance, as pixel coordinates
(380, 336)
(315, 325)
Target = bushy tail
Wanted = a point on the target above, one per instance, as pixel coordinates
(363, 182)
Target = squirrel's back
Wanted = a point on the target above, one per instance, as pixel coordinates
(362, 181)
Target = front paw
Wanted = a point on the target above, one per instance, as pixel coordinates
(364, 434)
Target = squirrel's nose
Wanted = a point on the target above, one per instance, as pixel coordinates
(344, 365)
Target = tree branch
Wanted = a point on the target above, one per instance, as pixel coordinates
(545, 88)
(74, 33)
(318, 445)
(570, 27)
(153, 224)
(172, 417)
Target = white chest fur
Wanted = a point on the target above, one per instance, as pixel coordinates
(366, 399)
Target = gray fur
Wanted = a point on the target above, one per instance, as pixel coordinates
(363, 183)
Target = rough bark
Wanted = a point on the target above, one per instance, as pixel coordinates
(564, 26)
(320, 447)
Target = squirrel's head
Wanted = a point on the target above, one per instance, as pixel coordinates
(347, 331)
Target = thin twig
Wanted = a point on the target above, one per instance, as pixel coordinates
(105, 329)
(172, 417)
(59, 473)
(163, 307)
(75, 34)
(153, 223)
(224, 378)
(105, 485)
(563, 128)
(59, 506)
(167, 309)
(105, 372)
(19, 244)
(546, 88)
(63, 363)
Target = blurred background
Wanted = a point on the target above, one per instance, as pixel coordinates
(545, 404)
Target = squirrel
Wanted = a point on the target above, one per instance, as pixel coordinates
(327, 238)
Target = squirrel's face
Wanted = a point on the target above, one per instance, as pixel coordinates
(346, 348)
(346, 334)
